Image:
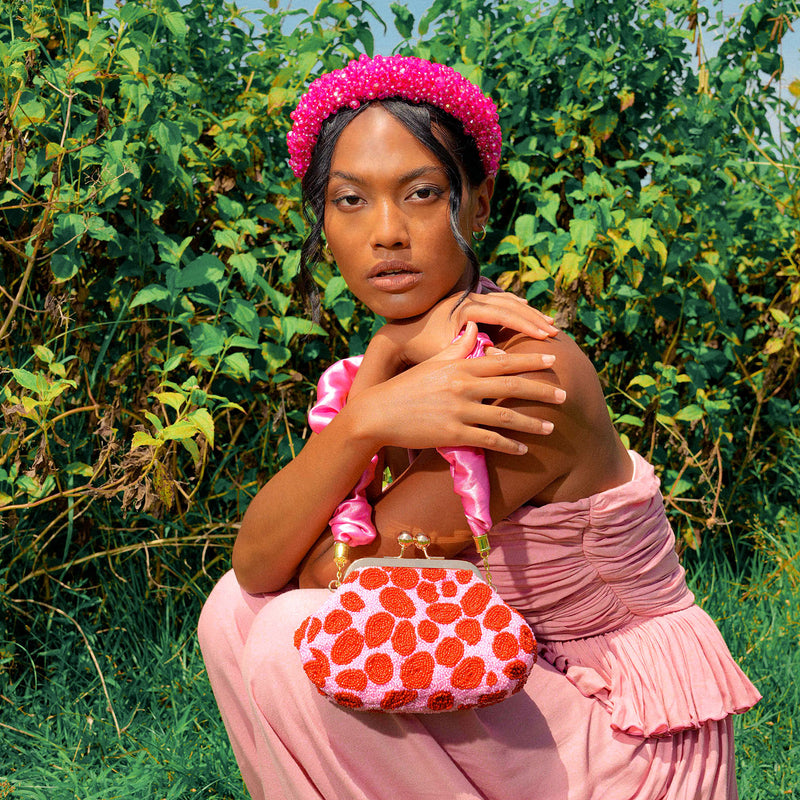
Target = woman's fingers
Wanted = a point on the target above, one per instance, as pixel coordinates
(499, 362)
(514, 387)
(507, 310)
(498, 416)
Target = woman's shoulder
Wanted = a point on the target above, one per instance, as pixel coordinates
(584, 442)
(572, 368)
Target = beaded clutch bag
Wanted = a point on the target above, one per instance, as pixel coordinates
(416, 636)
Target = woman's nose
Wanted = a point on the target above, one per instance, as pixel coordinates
(389, 228)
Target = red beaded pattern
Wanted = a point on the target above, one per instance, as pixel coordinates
(407, 639)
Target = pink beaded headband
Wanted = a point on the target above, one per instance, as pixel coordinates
(382, 77)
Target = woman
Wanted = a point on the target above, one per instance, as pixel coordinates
(633, 694)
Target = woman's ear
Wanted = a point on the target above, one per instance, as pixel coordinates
(483, 203)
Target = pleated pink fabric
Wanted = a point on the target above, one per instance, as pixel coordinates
(631, 699)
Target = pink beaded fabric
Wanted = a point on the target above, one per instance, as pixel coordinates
(416, 640)
(405, 77)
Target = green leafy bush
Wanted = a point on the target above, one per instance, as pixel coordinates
(158, 357)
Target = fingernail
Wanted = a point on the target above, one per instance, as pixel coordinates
(522, 449)
(560, 395)
(547, 427)
(548, 359)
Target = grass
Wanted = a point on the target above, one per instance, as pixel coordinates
(759, 615)
(58, 739)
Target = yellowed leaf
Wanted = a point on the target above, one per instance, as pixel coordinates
(173, 399)
(626, 99)
(52, 150)
(506, 279)
(773, 346)
(80, 70)
(780, 316)
(570, 268)
(661, 249)
(534, 270)
(621, 245)
(143, 439)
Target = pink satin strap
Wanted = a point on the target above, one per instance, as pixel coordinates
(351, 522)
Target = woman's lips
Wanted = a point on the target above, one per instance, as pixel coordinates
(393, 276)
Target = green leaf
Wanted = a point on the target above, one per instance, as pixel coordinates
(403, 20)
(194, 451)
(168, 136)
(689, 413)
(519, 170)
(280, 302)
(708, 273)
(203, 270)
(547, 207)
(336, 286)
(99, 229)
(150, 294)
(130, 56)
(207, 340)
(291, 267)
(176, 23)
(292, 326)
(629, 419)
(237, 366)
(65, 265)
(679, 487)
(170, 251)
(509, 245)
(27, 380)
(201, 418)
(638, 229)
(525, 229)
(583, 232)
(246, 265)
(275, 355)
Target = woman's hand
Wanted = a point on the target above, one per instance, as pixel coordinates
(417, 340)
(440, 402)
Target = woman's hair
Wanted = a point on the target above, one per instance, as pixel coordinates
(458, 152)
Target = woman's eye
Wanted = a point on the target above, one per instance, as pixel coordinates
(348, 200)
(426, 192)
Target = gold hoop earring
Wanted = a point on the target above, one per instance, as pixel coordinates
(480, 235)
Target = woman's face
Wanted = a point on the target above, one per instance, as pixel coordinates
(387, 218)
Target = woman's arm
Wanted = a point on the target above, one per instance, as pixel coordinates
(581, 457)
(436, 403)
